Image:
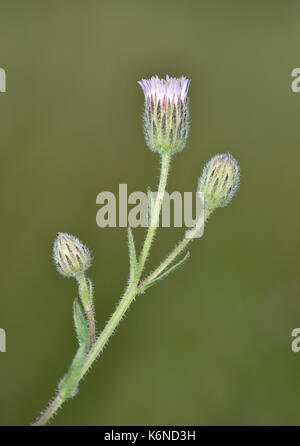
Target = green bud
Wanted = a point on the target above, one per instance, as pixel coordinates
(70, 255)
(219, 181)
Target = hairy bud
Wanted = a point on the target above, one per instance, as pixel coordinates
(219, 181)
(70, 255)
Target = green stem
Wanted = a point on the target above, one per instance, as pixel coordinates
(198, 228)
(165, 166)
(97, 346)
(94, 352)
(50, 411)
(110, 327)
(85, 294)
(92, 325)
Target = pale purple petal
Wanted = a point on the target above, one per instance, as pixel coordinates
(170, 88)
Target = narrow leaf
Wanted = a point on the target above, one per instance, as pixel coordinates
(68, 385)
(132, 254)
(167, 272)
(80, 322)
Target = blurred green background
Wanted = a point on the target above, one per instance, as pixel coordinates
(210, 344)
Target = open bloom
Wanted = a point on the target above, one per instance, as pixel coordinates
(166, 115)
(219, 181)
(70, 255)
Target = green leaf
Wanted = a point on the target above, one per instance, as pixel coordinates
(167, 272)
(68, 385)
(81, 325)
(132, 254)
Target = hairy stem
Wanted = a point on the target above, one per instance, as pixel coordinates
(97, 345)
(92, 326)
(110, 327)
(86, 297)
(50, 411)
(94, 352)
(165, 166)
(197, 230)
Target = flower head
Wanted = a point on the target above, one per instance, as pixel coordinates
(70, 255)
(166, 115)
(219, 181)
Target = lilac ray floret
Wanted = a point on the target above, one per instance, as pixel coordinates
(169, 88)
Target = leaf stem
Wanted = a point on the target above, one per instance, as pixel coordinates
(190, 235)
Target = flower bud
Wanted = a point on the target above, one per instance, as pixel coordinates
(166, 115)
(219, 181)
(70, 255)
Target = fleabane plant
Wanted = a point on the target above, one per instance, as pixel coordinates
(166, 126)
